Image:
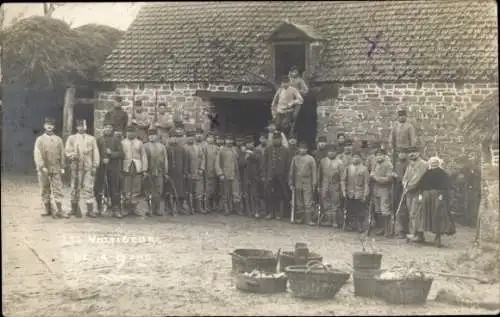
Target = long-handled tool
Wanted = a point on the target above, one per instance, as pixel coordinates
(149, 195)
(292, 213)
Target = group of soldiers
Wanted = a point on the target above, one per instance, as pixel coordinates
(194, 171)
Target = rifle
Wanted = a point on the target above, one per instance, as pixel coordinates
(403, 196)
(77, 181)
(149, 196)
(105, 199)
(292, 213)
(190, 195)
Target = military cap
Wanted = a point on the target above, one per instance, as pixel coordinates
(108, 122)
(80, 122)
(190, 133)
(380, 151)
(364, 144)
(199, 130)
(356, 152)
(277, 135)
(322, 138)
(402, 112)
(162, 104)
(412, 149)
(347, 143)
(49, 120)
(210, 133)
(138, 103)
(339, 134)
(118, 98)
(130, 128)
(152, 131)
(178, 133)
(376, 145)
(302, 145)
(263, 134)
(404, 150)
(294, 68)
(285, 79)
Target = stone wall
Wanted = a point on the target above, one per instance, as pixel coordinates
(368, 110)
(180, 97)
(489, 208)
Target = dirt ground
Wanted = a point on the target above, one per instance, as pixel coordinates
(181, 266)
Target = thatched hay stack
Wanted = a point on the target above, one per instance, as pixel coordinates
(43, 52)
(99, 40)
(482, 123)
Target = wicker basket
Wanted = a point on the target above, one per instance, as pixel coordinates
(261, 285)
(366, 261)
(365, 283)
(288, 259)
(247, 260)
(315, 281)
(404, 291)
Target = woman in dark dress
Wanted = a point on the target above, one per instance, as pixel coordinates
(433, 202)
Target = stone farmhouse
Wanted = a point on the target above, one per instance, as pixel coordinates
(364, 60)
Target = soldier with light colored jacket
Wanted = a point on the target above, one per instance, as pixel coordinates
(135, 165)
(49, 161)
(82, 150)
(157, 170)
(381, 176)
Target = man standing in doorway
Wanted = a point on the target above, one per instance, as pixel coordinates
(82, 150)
(284, 104)
(50, 161)
(117, 116)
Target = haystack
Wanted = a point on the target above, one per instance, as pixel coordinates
(43, 52)
(482, 123)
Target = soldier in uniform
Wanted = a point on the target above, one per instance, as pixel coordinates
(82, 150)
(403, 133)
(111, 154)
(141, 121)
(340, 138)
(402, 217)
(270, 136)
(250, 176)
(117, 116)
(226, 165)
(321, 150)
(176, 184)
(135, 165)
(165, 122)
(274, 174)
(412, 176)
(370, 159)
(355, 189)
(303, 181)
(259, 151)
(381, 177)
(157, 170)
(346, 155)
(330, 173)
(219, 142)
(210, 176)
(50, 161)
(195, 169)
(292, 147)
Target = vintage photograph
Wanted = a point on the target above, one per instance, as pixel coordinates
(250, 158)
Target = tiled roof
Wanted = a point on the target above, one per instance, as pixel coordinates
(417, 40)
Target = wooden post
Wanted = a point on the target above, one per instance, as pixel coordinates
(69, 105)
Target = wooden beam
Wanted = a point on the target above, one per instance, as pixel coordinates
(68, 108)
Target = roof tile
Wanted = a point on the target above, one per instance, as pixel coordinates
(172, 39)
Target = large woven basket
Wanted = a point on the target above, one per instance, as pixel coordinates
(261, 285)
(247, 260)
(366, 261)
(404, 291)
(365, 283)
(315, 282)
(288, 259)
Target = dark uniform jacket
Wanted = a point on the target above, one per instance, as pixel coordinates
(226, 163)
(119, 119)
(176, 156)
(275, 162)
(157, 158)
(211, 151)
(115, 145)
(320, 154)
(251, 167)
(195, 161)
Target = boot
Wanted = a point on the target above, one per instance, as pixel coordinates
(201, 207)
(261, 210)
(308, 219)
(238, 208)
(75, 210)
(379, 224)
(270, 212)
(437, 241)
(60, 212)
(48, 209)
(328, 219)
(156, 207)
(388, 226)
(227, 210)
(117, 213)
(100, 208)
(90, 210)
(281, 210)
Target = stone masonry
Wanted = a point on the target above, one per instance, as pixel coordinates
(368, 110)
(180, 97)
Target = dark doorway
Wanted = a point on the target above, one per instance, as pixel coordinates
(288, 55)
(306, 125)
(84, 111)
(242, 117)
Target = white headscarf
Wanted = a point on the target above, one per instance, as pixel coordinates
(433, 160)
